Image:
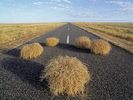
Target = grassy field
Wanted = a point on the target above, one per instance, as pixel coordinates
(118, 33)
(121, 30)
(14, 34)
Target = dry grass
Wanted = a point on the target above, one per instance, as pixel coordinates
(120, 34)
(121, 30)
(83, 42)
(101, 47)
(13, 34)
(30, 51)
(52, 41)
(66, 75)
(4, 38)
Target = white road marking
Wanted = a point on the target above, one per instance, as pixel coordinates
(68, 38)
(68, 28)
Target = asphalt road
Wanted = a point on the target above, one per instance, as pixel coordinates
(111, 75)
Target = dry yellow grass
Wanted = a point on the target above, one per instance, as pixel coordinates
(30, 51)
(121, 30)
(66, 75)
(52, 41)
(120, 34)
(100, 46)
(83, 42)
(12, 35)
(4, 38)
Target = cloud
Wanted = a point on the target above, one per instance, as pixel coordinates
(66, 8)
(67, 1)
(52, 2)
(61, 1)
(38, 3)
(124, 5)
(80, 13)
(61, 7)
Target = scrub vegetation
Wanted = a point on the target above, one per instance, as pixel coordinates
(83, 42)
(14, 34)
(66, 75)
(121, 30)
(120, 34)
(30, 51)
(101, 47)
(52, 41)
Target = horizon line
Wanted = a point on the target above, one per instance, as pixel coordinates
(67, 22)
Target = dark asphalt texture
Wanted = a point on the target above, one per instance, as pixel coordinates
(111, 75)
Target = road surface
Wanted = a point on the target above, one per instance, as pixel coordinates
(111, 75)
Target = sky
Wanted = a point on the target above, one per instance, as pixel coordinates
(38, 11)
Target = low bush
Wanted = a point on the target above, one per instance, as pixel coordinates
(100, 46)
(52, 41)
(30, 51)
(66, 75)
(83, 42)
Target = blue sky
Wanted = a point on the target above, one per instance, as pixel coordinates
(30, 11)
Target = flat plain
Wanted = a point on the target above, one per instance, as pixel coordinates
(111, 75)
(12, 35)
(121, 34)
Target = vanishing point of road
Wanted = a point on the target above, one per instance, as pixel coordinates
(111, 75)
